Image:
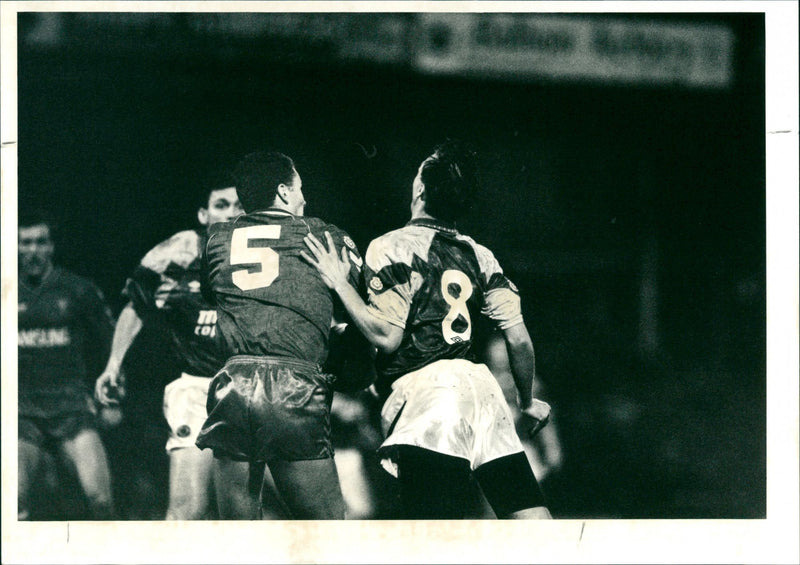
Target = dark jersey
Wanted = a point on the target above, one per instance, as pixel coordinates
(434, 283)
(269, 300)
(64, 338)
(165, 287)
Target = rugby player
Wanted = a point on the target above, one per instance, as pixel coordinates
(270, 403)
(64, 335)
(165, 289)
(444, 416)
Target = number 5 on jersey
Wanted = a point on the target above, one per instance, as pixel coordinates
(243, 254)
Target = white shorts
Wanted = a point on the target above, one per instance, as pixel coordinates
(452, 406)
(185, 409)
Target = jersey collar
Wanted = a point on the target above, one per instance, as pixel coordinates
(447, 227)
(276, 212)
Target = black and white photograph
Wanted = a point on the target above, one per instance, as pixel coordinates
(400, 282)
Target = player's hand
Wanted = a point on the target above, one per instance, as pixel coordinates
(333, 268)
(538, 415)
(109, 388)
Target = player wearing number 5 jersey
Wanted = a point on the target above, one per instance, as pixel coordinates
(271, 402)
(445, 417)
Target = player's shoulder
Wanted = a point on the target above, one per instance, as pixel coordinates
(76, 284)
(479, 248)
(486, 259)
(71, 280)
(181, 248)
(400, 246)
(319, 226)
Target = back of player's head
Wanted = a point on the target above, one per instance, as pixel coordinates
(257, 177)
(450, 179)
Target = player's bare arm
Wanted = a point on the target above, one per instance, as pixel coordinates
(523, 368)
(108, 385)
(334, 269)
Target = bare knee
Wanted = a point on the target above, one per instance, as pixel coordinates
(102, 508)
(190, 481)
(98, 496)
(86, 456)
(310, 488)
(237, 488)
(30, 463)
(184, 509)
(185, 505)
(537, 513)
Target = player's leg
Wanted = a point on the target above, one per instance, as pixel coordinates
(85, 455)
(310, 488)
(238, 487)
(433, 486)
(272, 505)
(190, 481)
(354, 483)
(512, 489)
(30, 459)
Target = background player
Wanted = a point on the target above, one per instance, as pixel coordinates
(445, 416)
(64, 331)
(271, 402)
(544, 449)
(165, 289)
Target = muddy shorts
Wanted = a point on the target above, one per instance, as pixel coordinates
(268, 408)
(185, 409)
(454, 407)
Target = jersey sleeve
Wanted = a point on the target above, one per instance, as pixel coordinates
(501, 297)
(206, 290)
(355, 276)
(98, 323)
(151, 276)
(356, 261)
(390, 285)
(140, 290)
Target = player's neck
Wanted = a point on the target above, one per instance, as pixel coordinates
(430, 221)
(421, 214)
(284, 207)
(34, 280)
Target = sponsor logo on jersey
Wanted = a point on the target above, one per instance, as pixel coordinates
(349, 242)
(44, 337)
(376, 284)
(206, 323)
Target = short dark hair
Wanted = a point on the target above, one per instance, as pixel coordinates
(27, 217)
(450, 179)
(216, 181)
(257, 177)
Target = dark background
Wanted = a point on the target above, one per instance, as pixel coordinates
(632, 218)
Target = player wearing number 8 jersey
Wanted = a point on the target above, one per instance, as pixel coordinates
(271, 402)
(445, 416)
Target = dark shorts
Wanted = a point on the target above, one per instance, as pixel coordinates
(267, 408)
(43, 431)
